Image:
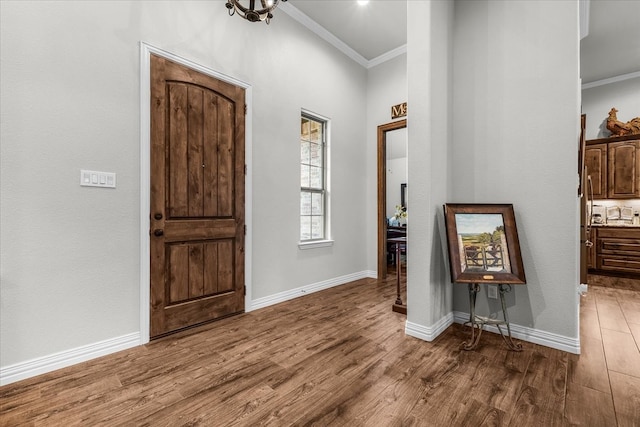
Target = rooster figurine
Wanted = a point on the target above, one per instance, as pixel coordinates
(617, 128)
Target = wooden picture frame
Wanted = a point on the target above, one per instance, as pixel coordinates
(483, 244)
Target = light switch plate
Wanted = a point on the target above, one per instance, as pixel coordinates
(97, 179)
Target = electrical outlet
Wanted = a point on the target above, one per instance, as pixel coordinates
(493, 291)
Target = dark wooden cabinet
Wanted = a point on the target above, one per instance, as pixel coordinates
(618, 250)
(595, 159)
(624, 169)
(614, 167)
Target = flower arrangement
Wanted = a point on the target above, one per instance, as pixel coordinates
(401, 212)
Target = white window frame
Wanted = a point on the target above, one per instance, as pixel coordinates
(326, 240)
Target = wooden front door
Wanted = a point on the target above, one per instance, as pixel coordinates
(197, 198)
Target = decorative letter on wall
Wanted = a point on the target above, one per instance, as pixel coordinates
(399, 110)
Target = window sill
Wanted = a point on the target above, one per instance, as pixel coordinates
(315, 244)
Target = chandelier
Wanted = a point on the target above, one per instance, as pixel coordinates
(251, 13)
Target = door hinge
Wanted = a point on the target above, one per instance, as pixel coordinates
(245, 169)
(245, 291)
(245, 229)
(245, 109)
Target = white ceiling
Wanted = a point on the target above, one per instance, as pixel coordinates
(371, 30)
(378, 30)
(612, 47)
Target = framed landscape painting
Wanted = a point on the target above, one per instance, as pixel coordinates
(483, 244)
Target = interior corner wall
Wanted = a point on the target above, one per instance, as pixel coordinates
(386, 86)
(598, 101)
(70, 255)
(516, 115)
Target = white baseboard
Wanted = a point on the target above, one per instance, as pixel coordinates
(308, 289)
(42, 365)
(547, 339)
(428, 333)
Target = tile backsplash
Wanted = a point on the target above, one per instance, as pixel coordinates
(616, 211)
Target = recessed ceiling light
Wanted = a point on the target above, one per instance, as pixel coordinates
(363, 2)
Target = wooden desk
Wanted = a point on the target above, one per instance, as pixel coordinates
(400, 244)
(393, 232)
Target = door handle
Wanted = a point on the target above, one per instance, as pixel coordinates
(158, 232)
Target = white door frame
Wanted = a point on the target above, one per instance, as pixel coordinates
(145, 178)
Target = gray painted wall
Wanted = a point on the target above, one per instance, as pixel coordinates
(429, 69)
(512, 139)
(516, 135)
(70, 255)
(386, 86)
(70, 101)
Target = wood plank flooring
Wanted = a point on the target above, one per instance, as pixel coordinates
(340, 357)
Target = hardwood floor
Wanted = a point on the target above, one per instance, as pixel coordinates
(340, 357)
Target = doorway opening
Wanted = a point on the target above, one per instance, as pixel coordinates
(387, 192)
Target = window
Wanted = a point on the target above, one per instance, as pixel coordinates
(313, 178)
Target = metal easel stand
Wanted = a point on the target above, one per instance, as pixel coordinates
(478, 322)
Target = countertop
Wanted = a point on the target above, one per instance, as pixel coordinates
(616, 225)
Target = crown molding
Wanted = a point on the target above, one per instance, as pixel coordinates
(319, 30)
(400, 50)
(610, 80)
(322, 32)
